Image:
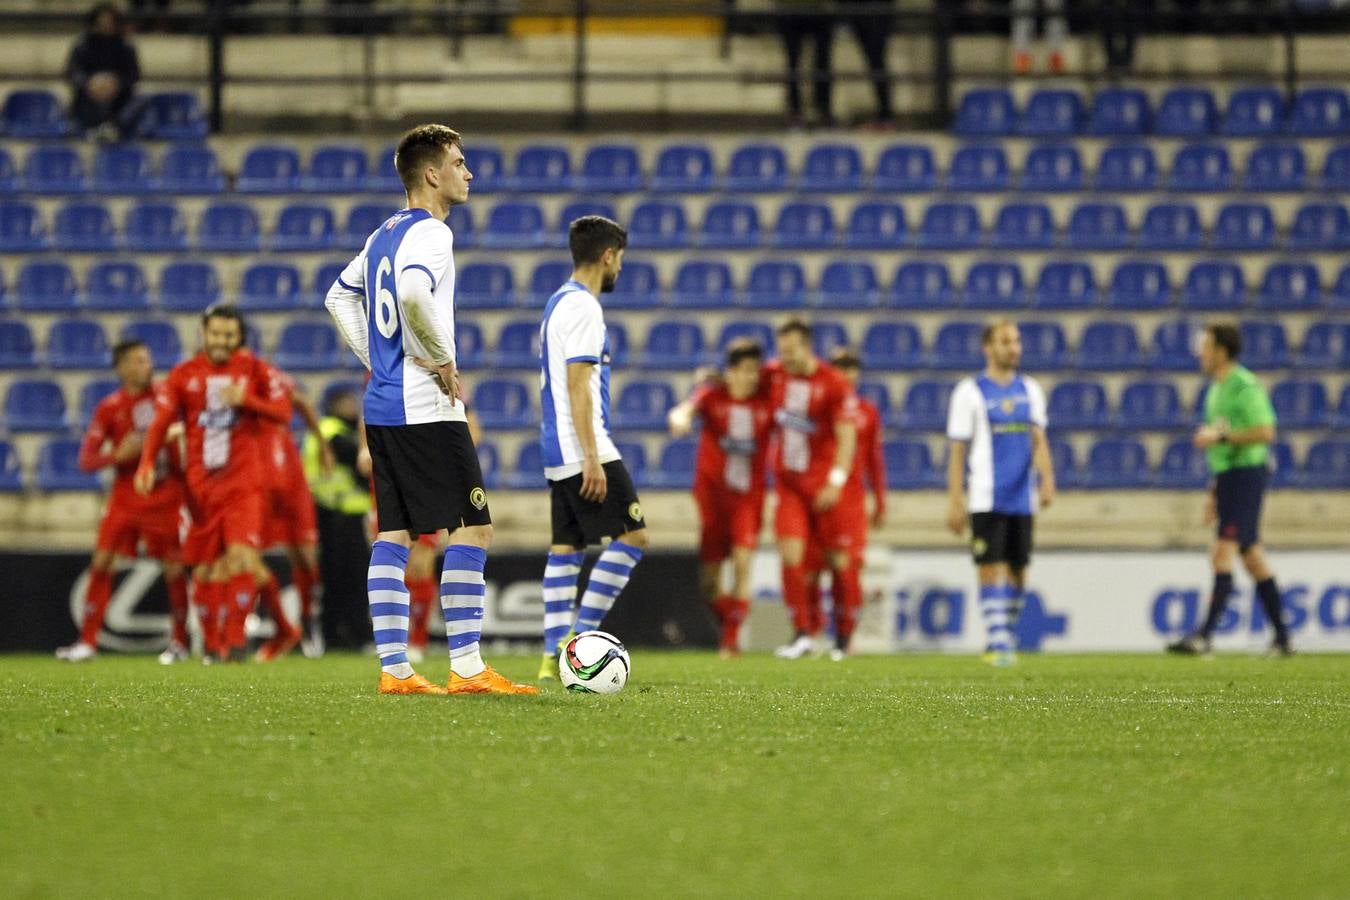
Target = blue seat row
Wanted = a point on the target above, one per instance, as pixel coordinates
(40, 114)
(1258, 111)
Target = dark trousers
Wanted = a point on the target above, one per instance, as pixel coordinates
(872, 32)
(344, 555)
(796, 30)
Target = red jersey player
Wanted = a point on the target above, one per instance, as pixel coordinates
(114, 438)
(729, 479)
(221, 395)
(816, 412)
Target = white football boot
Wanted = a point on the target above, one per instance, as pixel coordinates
(801, 647)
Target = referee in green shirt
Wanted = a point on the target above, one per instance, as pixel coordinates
(1239, 426)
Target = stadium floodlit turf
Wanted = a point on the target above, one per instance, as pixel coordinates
(910, 775)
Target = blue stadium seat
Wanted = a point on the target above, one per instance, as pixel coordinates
(46, 287)
(307, 346)
(362, 220)
(54, 169)
(1276, 167)
(987, 112)
(1139, 284)
(17, 348)
(1171, 350)
(1119, 112)
(34, 114)
(1127, 168)
(172, 116)
(270, 286)
(122, 169)
(489, 463)
(1214, 285)
(35, 405)
(9, 181)
(518, 345)
(269, 169)
(804, 226)
(675, 468)
(336, 169)
(528, 472)
(116, 287)
(831, 168)
(546, 278)
(639, 287)
(1320, 112)
(610, 169)
(303, 227)
(91, 394)
(877, 394)
(1044, 345)
(1149, 405)
(994, 284)
(1183, 467)
(921, 284)
(1052, 167)
(757, 167)
(1342, 413)
(730, 224)
(703, 284)
(77, 344)
(827, 336)
(1109, 346)
(1065, 463)
(658, 224)
(1098, 226)
(1201, 168)
(461, 223)
(1339, 297)
(634, 457)
(190, 169)
(1290, 286)
(84, 228)
(905, 168)
(1301, 403)
(925, 406)
(1076, 405)
(1283, 470)
(1244, 226)
(1186, 112)
(1170, 226)
(188, 286)
(1254, 112)
(1336, 169)
(957, 346)
(759, 332)
(514, 226)
(1264, 345)
(2, 288)
(683, 169)
(978, 167)
(848, 284)
(325, 274)
(1117, 463)
(1325, 345)
(876, 225)
(950, 226)
(229, 227)
(576, 210)
(470, 346)
(1064, 284)
(674, 345)
(909, 465)
(617, 335)
(642, 405)
(1327, 465)
(541, 169)
(891, 346)
(502, 403)
(485, 285)
(383, 177)
(1023, 226)
(154, 227)
(21, 227)
(1320, 226)
(159, 336)
(1052, 113)
(58, 468)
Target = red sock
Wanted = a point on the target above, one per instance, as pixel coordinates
(206, 598)
(795, 596)
(305, 580)
(97, 595)
(270, 595)
(847, 603)
(815, 617)
(737, 610)
(178, 609)
(239, 592)
(422, 593)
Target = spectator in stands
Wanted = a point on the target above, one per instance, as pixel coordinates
(1120, 29)
(1024, 16)
(103, 70)
(801, 22)
(872, 31)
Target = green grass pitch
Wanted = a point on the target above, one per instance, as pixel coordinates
(890, 776)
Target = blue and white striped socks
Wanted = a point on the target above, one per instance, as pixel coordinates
(611, 572)
(462, 591)
(994, 602)
(388, 596)
(560, 595)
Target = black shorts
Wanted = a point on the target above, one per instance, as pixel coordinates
(1000, 538)
(1237, 499)
(427, 477)
(578, 522)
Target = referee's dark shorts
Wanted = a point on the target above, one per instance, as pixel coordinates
(1238, 494)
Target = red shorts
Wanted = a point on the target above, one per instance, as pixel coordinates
(222, 518)
(842, 528)
(729, 519)
(291, 520)
(121, 532)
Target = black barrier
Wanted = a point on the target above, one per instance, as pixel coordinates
(41, 594)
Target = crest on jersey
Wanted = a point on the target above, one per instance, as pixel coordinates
(635, 511)
(478, 498)
(978, 546)
(1008, 404)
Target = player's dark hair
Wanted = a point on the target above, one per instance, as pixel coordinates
(991, 328)
(590, 236)
(741, 349)
(421, 147)
(795, 325)
(846, 358)
(122, 348)
(226, 311)
(1227, 336)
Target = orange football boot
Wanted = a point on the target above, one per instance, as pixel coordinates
(413, 684)
(487, 681)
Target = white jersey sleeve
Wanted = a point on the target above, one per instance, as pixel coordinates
(966, 404)
(583, 333)
(1036, 400)
(429, 246)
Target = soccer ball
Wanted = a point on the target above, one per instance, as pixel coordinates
(593, 662)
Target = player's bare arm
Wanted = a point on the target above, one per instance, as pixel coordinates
(1045, 468)
(593, 482)
(845, 445)
(1209, 435)
(956, 495)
